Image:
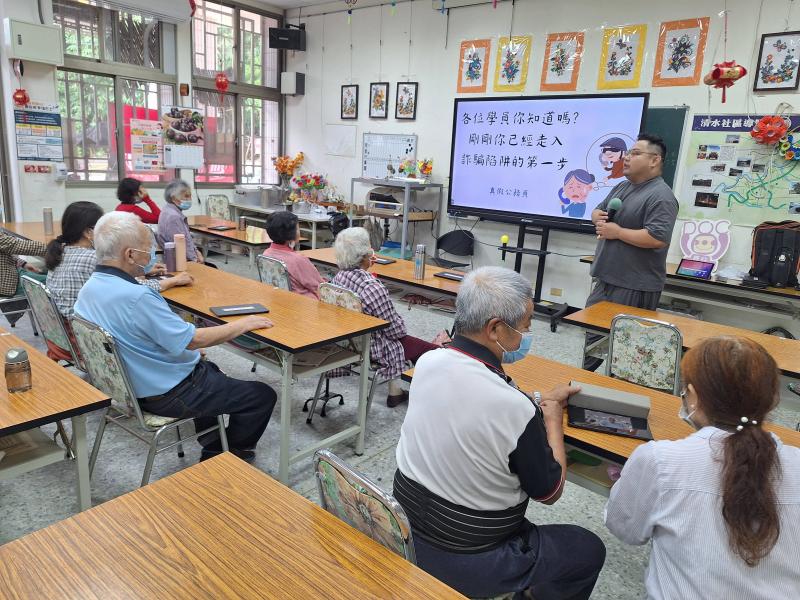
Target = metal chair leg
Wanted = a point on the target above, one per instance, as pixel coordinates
(62, 433)
(253, 368)
(98, 438)
(151, 455)
(180, 446)
(313, 400)
(33, 323)
(223, 437)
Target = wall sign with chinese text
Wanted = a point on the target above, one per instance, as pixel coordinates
(38, 129)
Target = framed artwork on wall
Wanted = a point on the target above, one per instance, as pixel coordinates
(379, 100)
(511, 65)
(349, 102)
(405, 102)
(473, 64)
(621, 57)
(778, 60)
(562, 62)
(679, 58)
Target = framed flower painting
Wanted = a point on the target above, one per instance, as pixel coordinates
(511, 66)
(473, 65)
(349, 102)
(679, 59)
(621, 58)
(562, 62)
(379, 100)
(405, 103)
(778, 60)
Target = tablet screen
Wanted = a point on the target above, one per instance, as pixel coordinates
(695, 268)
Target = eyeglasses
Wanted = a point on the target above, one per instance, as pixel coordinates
(640, 152)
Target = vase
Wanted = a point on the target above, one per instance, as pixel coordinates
(285, 187)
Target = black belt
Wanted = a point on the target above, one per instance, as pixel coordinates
(177, 390)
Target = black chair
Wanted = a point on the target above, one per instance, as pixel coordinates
(458, 243)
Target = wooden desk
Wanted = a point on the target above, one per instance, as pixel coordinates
(301, 324)
(536, 373)
(401, 271)
(598, 317)
(199, 224)
(32, 230)
(219, 529)
(56, 394)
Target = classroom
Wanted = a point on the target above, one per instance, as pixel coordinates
(400, 299)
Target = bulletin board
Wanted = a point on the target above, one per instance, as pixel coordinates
(383, 149)
(730, 176)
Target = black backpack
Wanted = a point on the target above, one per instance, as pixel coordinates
(776, 252)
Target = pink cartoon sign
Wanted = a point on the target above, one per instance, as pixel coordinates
(705, 240)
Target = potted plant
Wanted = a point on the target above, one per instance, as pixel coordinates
(286, 167)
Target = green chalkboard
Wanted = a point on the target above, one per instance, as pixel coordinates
(668, 123)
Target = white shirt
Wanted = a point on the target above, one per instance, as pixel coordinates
(670, 492)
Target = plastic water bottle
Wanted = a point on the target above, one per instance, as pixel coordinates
(169, 256)
(419, 262)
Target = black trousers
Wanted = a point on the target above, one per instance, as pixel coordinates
(556, 562)
(207, 393)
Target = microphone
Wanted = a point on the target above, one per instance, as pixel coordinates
(613, 206)
(504, 241)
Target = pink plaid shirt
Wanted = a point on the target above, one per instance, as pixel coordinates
(385, 348)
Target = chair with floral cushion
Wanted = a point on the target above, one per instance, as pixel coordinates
(360, 503)
(646, 352)
(273, 272)
(218, 207)
(47, 317)
(107, 373)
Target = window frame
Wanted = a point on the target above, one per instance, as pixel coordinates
(239, 89)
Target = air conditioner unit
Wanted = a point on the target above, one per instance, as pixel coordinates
(169, 11)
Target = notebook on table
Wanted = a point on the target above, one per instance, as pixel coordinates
(239, 309)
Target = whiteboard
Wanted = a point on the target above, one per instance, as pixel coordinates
(382, 149)
(340, 140)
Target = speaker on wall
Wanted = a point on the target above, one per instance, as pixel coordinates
(287, 38)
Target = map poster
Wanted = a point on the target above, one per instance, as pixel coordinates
(38, 129)
(147, 146)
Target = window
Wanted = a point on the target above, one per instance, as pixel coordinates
(80, 24)
(88, 117)
(138, 40)
(243, 126)
(143, 100)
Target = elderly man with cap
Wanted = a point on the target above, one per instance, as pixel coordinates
(474, 449)
(160, 350)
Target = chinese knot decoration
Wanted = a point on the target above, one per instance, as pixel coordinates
(221, 81)
(20, 97)
(769, 130)
(724, 75)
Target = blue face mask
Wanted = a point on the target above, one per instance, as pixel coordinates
(510, 356)
(151, 263)
(185, 205)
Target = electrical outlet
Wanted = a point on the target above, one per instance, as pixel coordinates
(556, 291)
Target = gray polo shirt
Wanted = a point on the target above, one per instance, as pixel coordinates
(172, 221)
(652, 206)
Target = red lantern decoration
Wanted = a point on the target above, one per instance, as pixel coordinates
(769, 130)
(221, 81)
(20, 97)
(724, 75)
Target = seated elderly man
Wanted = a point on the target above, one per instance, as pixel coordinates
(390, 347)
(474, 449)
(160, 350)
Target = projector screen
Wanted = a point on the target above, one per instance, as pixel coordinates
(547, 160)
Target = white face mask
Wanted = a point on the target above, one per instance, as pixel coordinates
(291, 245)
(684, 413)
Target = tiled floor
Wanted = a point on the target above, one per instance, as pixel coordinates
(43, 497)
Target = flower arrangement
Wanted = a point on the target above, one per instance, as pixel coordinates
(287, 166)
(408, 168)
(310, 181)
(425, 167)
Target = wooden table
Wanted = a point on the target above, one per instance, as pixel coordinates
(401, 271)
(598, 317)
(536, 373)
(219, 529)
(56, 394)
(301, 324)
(32, 230)
(199, 224)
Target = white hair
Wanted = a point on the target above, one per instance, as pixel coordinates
(490, 292)
(351, 246)
(174, 189)
(114, 232)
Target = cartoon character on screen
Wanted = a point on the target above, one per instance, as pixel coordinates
(577, 186)
(612, 154)
(705, 240)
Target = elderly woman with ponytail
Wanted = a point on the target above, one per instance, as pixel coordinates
(722, 506)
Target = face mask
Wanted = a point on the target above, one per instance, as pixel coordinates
(510, 356)
(185, 205)
(151, 263)
(291, 245)
(684, 414)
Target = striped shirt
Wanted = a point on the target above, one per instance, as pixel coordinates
(670, 493)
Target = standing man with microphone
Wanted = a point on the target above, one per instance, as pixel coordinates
(634, 228)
